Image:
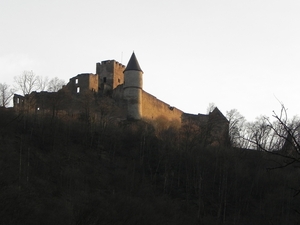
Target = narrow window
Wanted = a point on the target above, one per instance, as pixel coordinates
(78, 90)
(18, 100)
(119, 80)
(104, 79)
(76, 81)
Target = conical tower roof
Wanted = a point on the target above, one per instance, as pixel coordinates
(133, 64)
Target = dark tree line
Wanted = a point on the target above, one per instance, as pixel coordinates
(100, 171)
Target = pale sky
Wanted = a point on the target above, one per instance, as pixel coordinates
(241, 54)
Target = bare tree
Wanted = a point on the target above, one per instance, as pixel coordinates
(280, 136)
(211, 107)
(42, 83)
(260, 133)
(236, 127)
(27, 82)
(288, 132)
(246, 135)
(6, 94)
(55, 84)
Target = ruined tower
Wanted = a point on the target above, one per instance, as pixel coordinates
(133, 88)
(110, 74)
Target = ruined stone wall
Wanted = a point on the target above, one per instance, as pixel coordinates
(154, 108)
(93, 82)
(18, 101)
(198, 119)
(44, 102)
(118, 94)
(110, 74)
(118, 74)
(82, 83)
(105, 71)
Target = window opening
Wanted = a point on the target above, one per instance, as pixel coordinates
(78, 89)
(76, 81)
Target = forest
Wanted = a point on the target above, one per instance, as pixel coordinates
(75, 171)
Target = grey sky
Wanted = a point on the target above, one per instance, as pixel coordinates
(236, 53)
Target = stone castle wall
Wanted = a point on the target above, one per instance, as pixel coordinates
(110, 74)
(153, 109)
(118, 74)
(93, 82)
(83, 82)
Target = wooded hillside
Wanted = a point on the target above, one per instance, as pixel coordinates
(64, 171)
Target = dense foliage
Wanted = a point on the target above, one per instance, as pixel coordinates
(66, 171)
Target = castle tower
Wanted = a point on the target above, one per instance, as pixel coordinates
(110, 74)
(133, 88)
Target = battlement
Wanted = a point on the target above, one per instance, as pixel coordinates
(110, 63)
(110, 74)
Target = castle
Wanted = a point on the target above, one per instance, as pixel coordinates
(124, 84)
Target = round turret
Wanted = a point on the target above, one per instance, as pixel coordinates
(133, 88)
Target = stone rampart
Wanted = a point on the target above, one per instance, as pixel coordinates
(154, 108)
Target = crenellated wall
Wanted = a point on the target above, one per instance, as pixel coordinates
(118, 74)
(110, 74)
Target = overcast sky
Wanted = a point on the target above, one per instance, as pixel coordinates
(241, 54)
